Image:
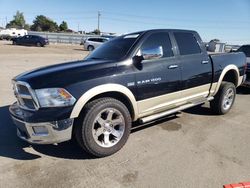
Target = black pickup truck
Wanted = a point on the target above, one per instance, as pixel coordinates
(135, 77)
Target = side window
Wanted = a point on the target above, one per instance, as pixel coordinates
(245, 49)
(99, 40)
(159, 39)
(187, 43)
(91, 39)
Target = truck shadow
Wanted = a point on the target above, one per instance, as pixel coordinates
(10, 145)
(243, 91)
(13, 147)
(200, 110)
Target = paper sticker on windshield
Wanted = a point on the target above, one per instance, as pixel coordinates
(131, 36)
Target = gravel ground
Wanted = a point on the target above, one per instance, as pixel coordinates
(194, 149)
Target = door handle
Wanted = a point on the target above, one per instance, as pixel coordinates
(173, 66)
(205, 62)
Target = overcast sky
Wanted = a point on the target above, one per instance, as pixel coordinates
(228, 20)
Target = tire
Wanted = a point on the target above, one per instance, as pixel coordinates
(90, 48)
(224, 99)
(104, 127)
(38, 44)
(14, 42)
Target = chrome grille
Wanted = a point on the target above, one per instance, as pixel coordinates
(25, 96)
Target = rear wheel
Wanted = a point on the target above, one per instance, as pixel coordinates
(224, 99)
(104, 128)
(38, 44)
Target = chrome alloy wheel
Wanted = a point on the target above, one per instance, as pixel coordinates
(108, 127)
(228, 99)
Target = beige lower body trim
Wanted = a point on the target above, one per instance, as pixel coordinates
(164, 102)
(240, 81)
(213, 89)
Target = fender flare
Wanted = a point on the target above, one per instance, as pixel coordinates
(224, 72)
(82, 101)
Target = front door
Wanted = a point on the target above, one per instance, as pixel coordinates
(158, 81)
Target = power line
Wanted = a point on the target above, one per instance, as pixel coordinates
(172, 25)
(172, 19)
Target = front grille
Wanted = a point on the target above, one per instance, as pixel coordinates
(25, 96)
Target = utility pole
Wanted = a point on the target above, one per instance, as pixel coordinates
(6, 21)
(99, 15)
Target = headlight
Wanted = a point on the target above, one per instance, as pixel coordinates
(54, 97)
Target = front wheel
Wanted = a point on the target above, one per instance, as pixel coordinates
(90, 48)
(224, 99)
(104, 128)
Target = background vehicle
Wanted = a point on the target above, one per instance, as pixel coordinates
(140, 77)
(246, 50)
(12, 33)
(30, 40)
(92, 43)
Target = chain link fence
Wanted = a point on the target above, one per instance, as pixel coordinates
(67, 38)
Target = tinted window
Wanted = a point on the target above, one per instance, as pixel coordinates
(187, 43)
(159, 39)
(92, 39)
(99, 40)
(115, 49)
(245, 49)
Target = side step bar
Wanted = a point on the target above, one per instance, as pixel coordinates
(172, 111)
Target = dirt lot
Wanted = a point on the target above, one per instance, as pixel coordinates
(195, 149)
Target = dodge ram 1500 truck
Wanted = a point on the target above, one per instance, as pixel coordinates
(135, 77)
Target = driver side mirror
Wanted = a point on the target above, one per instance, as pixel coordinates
(152, 53)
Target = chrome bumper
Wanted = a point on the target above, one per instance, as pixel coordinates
(45, 132)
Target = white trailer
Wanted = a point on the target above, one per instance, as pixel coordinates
(12, 33)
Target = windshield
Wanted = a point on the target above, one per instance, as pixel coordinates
(116, 48)
(245, 49)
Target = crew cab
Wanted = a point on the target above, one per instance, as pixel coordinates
(246, 50)
(139, 77)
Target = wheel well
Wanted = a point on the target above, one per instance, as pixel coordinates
(231, 76)
(90, 46)
(119, 96)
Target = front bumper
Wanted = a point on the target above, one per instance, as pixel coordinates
(42, 132)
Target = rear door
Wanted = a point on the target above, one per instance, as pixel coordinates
(158, 81)
(196, 67)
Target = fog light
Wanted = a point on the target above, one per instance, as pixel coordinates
(40, 130)
(62, 124)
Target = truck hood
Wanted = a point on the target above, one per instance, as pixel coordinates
(62, 75)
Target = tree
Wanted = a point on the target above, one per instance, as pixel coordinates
(63, 26)
(42, 23)
(97, 32)
(18, 21)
